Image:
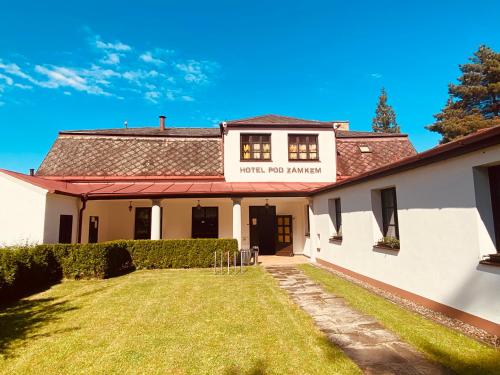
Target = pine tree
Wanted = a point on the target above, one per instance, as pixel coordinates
(385, 117)
(474, 103)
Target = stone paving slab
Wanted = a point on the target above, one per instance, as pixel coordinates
(372, 347)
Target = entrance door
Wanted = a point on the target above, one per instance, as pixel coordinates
(263, 228)
(284, 236)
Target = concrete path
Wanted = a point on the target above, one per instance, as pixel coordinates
(373, 348)
(276, 260)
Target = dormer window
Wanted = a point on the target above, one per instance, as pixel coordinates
(255, 147)
(365, 149)
(303, 147)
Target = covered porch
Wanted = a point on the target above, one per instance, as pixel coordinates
(277, 225)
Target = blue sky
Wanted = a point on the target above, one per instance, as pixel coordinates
(94, 64)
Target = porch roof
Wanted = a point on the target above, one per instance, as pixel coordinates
(174, 188)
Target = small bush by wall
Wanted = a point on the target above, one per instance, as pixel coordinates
(186, 253)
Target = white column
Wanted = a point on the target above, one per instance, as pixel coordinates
(312, 231)
(156, 219)
(237, 220)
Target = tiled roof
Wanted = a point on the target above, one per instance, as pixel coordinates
(379, 151)
(276, 120)
(151, 132)
(361, 134)
(98, 155)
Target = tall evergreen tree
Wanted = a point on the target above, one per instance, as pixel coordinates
(474, 103)
(385, 117)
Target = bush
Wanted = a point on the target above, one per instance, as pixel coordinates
(27, 269)
(95, 261)
(187, 253)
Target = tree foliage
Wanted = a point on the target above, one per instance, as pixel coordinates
(473, 103)
(385, 117)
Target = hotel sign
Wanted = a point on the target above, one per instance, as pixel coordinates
(280, 170)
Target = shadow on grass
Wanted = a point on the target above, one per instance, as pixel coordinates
(258, 368)
(22, 320)
(480, 364)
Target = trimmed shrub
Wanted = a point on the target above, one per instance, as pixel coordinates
(94, 261)
(26, 269)
(186, 253)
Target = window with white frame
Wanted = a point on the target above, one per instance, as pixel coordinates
(335, 213)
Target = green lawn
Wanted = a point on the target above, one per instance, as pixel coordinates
(165, 321)
(454, 350)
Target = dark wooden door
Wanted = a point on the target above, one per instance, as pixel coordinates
(65, 228)
(284, 235)
(263, 229)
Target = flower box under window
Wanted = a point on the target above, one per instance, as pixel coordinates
(390, 243)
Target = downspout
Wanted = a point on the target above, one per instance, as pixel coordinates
(80, 217)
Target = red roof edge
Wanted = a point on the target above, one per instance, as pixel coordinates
(132, 178)
(49, 185)
(472, 142)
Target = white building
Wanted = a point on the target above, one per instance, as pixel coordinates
(289, 186)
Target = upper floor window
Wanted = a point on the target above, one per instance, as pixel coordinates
(255, 147)
(390, 226)
(303, 147)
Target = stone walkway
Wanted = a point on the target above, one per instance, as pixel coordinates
(373, 348)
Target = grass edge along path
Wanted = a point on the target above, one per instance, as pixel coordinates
(438, 343)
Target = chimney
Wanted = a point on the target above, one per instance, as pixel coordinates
(32, 172)
(162, 122)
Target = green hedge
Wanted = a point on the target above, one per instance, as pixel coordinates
(189, 253)
(24, 270)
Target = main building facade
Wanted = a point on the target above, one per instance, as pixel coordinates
(289, 186)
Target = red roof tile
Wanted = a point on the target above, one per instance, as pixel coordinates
(351, 161)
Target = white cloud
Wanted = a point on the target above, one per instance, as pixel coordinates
(114, 69)
(111, 59)
(376, 75)
(196, 71)
(23, 86)
(7, 79)
(117, 46)
(148, 58)
(60, 76)
(152, 96)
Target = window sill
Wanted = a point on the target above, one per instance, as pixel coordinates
(304, 160)
(385, 247)
(489, 263)
(255, 160)
(336, 240)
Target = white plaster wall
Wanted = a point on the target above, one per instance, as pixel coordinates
(117, 222)
(443, 235)
(22, 211)
(55, 206)
(279, 156)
